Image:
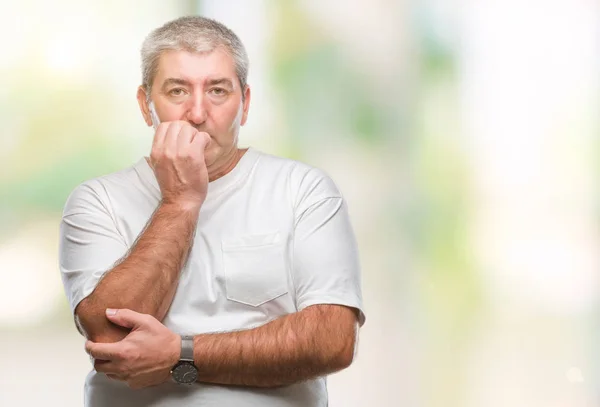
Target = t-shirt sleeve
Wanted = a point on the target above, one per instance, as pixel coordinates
(326, 263)
(89, 243)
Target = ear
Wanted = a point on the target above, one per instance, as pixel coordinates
(144, 108)
(246, 104)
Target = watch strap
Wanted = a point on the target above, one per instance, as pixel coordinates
(187, 348)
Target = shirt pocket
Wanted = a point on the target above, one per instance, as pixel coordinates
(254, 268)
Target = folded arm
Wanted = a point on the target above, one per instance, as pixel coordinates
(316, 341)
(145, 280)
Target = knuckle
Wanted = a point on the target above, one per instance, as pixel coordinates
(121, 354)
(129, 351)
(179, 126)
(124, 372)
(134, 355)
(169, 156)
(148, 319)
(183, 154)
(173, 124)
(156, 153)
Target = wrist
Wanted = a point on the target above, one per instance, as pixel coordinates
(185, 371)
(190, 207)
(174, 350)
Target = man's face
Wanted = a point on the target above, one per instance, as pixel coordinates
(202, 89)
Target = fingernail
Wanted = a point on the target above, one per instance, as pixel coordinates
(111, 312)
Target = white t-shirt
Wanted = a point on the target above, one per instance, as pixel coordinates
(272, 238)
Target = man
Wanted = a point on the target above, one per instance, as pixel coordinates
(206, 274)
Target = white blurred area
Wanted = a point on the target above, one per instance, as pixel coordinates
(528, 105)
(530, 111)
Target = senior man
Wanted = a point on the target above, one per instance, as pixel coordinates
(206, 274)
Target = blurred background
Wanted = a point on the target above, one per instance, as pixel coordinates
(463, 134)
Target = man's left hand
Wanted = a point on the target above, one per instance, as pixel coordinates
(144, 357)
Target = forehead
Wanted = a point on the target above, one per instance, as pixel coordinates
(195, 67)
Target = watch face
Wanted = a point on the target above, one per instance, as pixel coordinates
(185, 372)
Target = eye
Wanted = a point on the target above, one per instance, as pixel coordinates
(218, 91)
(176, 92)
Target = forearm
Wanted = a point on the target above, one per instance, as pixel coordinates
(314, 342)
(146, 279)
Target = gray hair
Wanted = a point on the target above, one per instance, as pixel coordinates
(192, 34)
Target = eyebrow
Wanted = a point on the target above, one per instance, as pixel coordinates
(220, 81)
(210, 82)
(175, 81)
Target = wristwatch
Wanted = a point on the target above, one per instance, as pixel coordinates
(185, 372)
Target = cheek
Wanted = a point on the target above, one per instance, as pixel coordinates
(226, 123)
(173, 113)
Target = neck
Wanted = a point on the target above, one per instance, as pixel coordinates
(219, 169)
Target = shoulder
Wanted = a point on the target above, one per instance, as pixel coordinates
(93, 195)
(306, 182)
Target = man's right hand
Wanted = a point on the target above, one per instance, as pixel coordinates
(177, 159)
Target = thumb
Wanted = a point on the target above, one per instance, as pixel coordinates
(126, 318)
(201, 139)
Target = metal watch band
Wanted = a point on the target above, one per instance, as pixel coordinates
(187, 348)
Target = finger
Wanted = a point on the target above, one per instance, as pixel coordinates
(201, 141)
(158, 142)
(170, 141)
(114, 376)
(105, 366)
(127, 318)
(104, 351)
(184, 139)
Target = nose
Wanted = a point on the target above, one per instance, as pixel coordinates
(197, 111)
